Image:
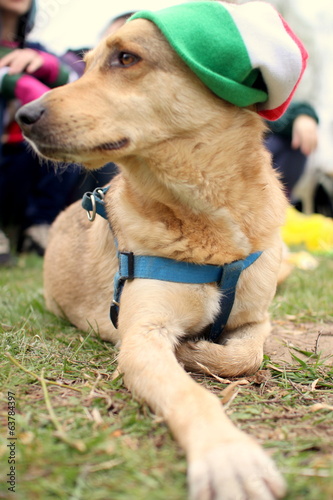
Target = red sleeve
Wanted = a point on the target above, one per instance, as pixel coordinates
(49, 71)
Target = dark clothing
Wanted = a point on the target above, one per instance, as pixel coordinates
(288, 161)
(90, 180)
(32, 192)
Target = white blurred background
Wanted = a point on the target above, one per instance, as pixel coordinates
(63, 24)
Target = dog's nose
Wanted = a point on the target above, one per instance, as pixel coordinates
(29, 114)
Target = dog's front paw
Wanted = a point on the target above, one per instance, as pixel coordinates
(235, 471)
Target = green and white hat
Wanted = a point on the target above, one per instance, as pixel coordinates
(246, 54)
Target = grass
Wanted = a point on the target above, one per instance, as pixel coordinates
(307, 295)
(81, 435)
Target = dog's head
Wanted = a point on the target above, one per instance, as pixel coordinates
(141, 88)
(136, 92)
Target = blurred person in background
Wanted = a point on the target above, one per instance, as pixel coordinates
(312, 21)
(291, 139)
(31, 193)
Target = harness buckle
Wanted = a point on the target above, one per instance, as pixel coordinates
(129, 272)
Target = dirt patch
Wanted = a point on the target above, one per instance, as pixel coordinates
(316, 338)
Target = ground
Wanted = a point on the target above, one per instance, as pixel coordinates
(309, 337)
(82, 436)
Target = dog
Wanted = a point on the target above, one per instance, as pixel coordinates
(195, 186)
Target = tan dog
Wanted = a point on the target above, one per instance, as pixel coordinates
(196, 185)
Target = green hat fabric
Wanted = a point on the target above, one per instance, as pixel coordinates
(246, 54)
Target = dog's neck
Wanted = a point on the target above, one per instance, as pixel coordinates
(201, 184)
(202, 171)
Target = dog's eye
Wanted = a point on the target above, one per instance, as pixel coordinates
(122, 59)
(127, 59)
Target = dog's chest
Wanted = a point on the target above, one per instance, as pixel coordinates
(192, 238)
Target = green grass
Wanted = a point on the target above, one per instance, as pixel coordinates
(81, 435)
(308, 295)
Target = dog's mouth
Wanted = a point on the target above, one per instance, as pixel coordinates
(67, 153)
(111, 146)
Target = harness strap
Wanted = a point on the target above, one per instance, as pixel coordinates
(230, 275)
(159, 268)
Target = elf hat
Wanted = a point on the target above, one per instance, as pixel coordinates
(246, 54)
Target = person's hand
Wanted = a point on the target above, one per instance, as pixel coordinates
(22, 61)
(305, 134)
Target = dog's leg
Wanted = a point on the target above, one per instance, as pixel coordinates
(241, 352)
(240, 349)
(224, 463)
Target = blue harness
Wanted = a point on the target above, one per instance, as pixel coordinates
(159, 268)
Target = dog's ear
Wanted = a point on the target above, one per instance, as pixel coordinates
(246, 54)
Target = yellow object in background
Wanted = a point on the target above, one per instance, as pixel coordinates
(315, 231)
